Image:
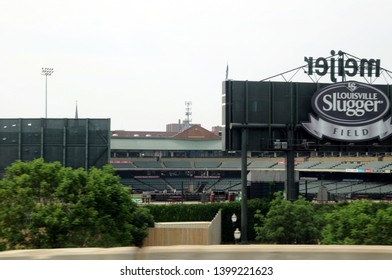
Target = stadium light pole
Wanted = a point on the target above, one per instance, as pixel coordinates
(46, 72)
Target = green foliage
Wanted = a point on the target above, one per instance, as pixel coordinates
(183, 212)
(359, 222)
(288, 222)
(141, 220)
(45, 205)
(299, 222)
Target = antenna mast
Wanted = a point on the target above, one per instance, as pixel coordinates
(188, 114)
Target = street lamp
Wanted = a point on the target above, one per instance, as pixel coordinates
(234, 220)
(237, 235)
(46, 72)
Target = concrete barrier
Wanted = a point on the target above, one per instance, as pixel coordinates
(118, 253)
(209, 252)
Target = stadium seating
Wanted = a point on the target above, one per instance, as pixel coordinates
(380, 165)
(178, 164)
(228, 184)
(203, 184)
(306, 164)
(155, 183)
(147, 164)
(262, 164)
(231, 164)
(325, 165)
(347, 165)
(179, 183)
(191, 174)
(135, 184)
(126, 165)
(207, 164)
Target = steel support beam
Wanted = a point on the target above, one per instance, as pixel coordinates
(244, 191)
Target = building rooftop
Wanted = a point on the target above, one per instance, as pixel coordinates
(195, 132)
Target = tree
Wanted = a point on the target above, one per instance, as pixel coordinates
(288, 222)
(45, 205)
(360, 223)
(380, 229)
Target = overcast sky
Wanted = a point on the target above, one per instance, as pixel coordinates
(137, 62)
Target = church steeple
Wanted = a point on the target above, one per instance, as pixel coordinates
(76, 111)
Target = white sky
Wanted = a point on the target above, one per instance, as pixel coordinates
(137, 62)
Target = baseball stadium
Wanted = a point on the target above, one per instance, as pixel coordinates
(324, 141)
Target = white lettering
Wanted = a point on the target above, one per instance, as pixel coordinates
(344, 131)
(327, 101)
(352, 103)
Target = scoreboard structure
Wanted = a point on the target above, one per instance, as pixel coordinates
(317, 115)
(73, 142)
(353, 115)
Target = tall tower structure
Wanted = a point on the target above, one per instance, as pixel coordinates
(76, 111)
(188, 115)
(185, 123)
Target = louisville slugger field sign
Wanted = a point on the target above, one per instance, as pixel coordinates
(349, 111)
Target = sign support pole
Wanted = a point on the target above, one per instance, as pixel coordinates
(244, 196)
(291, 191)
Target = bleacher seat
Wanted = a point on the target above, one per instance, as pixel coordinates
(231, 184)
(306, 164)
(177, 164)
(179, 183)
(326, 165)
(147, 164)
(262, 164)
(155, 183)
(231, 164)
(381, 165)
(207, 164)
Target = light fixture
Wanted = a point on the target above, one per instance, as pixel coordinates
(237, 235)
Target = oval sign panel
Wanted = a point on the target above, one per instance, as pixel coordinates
(350, 111)
(350, 103)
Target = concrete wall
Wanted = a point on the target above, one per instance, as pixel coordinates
(185, 233)
(215, 230)
(176, 236)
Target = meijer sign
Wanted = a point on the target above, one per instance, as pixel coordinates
(349, 67)
(349, 111)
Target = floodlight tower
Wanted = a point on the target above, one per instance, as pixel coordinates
(46, 72)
